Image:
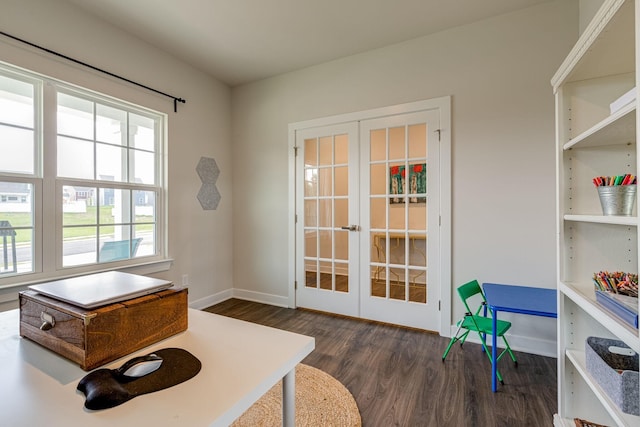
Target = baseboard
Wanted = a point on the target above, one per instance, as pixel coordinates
(521, 343)
(242, 294)
(210, 300)
(260, 297)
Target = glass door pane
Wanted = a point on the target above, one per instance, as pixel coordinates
(326, 197)
(398, 212)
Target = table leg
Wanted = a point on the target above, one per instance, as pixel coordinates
(289, 399)
(494, 352)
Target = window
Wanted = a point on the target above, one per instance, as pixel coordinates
(103, 158)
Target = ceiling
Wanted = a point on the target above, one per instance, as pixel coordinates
(240, 41)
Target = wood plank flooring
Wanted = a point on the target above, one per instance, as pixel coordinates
(397, 376)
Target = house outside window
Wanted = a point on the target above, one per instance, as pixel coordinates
(103, 160)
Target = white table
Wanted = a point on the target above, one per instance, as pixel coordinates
(240, 362)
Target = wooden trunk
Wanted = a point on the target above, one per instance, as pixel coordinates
(94, 337)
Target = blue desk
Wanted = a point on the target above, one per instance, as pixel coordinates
(516, 299)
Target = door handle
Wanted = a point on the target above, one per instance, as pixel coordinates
(351, 227)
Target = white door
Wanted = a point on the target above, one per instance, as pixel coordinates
(400, 206)
(368, 209)
(327, 219)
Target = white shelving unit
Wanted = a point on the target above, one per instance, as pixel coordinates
(592, 142)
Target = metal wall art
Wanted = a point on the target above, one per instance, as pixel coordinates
(208, 196)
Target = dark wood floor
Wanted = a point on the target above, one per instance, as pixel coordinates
(398, 378)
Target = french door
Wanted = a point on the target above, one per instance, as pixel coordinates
(399, 197)
(368, 218)
(327, 217)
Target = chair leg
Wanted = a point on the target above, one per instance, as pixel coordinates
(453, 340)
(463, 338)
(513, 357)
(486, 351)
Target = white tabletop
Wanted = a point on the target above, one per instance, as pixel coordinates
(240, 362)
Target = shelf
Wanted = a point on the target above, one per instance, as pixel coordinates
(603, 48)
(601, 219)
(618, 128)
(578, 360)
(617, 327)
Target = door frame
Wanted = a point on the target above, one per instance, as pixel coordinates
(443, 105)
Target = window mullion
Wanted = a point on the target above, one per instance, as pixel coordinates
(48, 207)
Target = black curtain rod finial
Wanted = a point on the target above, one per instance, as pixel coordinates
(175, 103)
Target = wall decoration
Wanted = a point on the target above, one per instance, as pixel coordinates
(208, 171)
(416, 184)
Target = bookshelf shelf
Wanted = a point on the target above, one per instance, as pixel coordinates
(600, 219)
(578, 360)
(591, 141)
(618, 128)
(587, 301)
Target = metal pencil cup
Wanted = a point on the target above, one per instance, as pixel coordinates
(617, 199)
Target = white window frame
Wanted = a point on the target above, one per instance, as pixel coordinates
(47, 235)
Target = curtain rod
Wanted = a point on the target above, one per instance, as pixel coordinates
(175, 99)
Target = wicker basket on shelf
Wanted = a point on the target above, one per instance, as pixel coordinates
(583, 423)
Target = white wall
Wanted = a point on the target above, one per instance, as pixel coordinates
(200, 242)
(503, 155)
